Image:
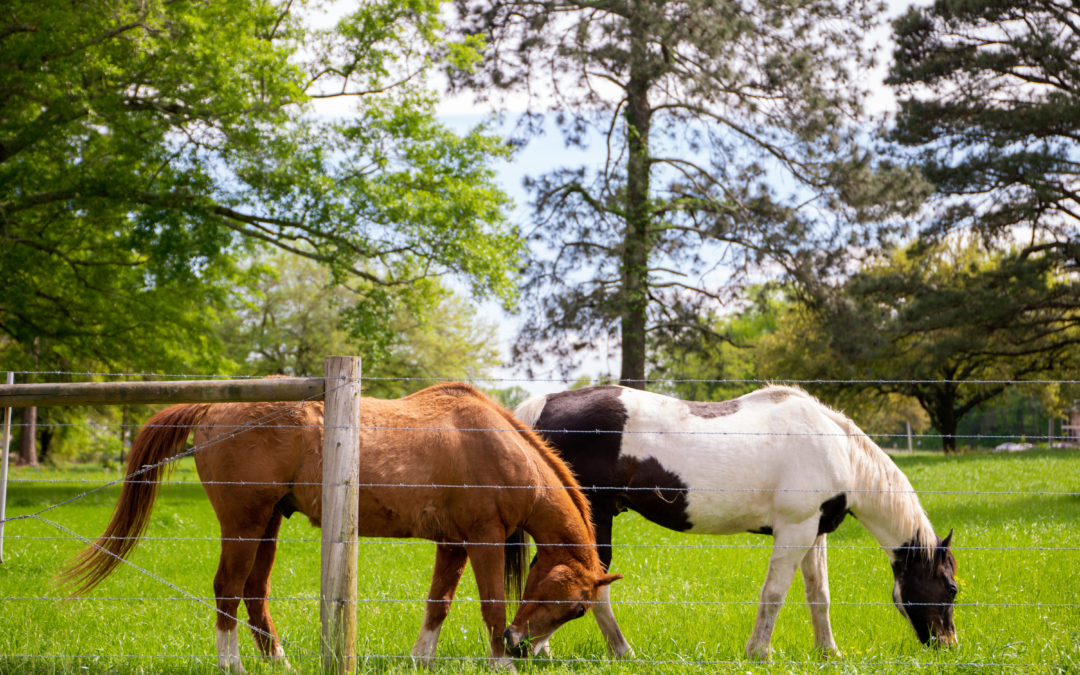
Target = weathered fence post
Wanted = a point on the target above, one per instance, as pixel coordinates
(340, 495)
(4, 456)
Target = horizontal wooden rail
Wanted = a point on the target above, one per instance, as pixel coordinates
(194, 391)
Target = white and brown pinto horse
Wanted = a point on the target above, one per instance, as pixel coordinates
(776, 462)
(447, 436)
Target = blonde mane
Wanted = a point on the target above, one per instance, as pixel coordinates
(884, 484)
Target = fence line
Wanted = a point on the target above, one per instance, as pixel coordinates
(239, 429)
(560, 380)
(586, 488)
(747, 663)
(478, 601)
(385, 543)
(897, 436)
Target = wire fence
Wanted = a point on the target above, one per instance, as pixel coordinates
(1064, 548)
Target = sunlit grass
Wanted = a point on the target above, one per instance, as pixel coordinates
(686, 604)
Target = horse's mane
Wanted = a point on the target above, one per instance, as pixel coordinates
(556, 463)
(883, 482)
(549, 454)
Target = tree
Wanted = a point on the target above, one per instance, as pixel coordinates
(950, 326)
(729, 149)
(705, 369)
(147, 147)
(990, 112)
(291, 320)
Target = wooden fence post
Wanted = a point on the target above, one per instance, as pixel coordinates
(4, 457)
(340, 495)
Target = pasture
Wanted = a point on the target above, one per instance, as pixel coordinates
(686, 605)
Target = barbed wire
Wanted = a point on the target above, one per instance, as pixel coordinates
(637, 660)
(1037, 436)
(383, 543)
(600, 379)
(458, 599)
(586, 488)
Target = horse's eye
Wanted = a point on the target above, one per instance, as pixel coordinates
(953, 589)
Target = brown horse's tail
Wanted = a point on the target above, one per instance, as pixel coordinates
(515, 563)
(162, 437)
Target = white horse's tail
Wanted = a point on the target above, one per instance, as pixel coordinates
(529, 411)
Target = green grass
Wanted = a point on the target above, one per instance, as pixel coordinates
(686, 604)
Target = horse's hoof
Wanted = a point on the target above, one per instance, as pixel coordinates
(231, 666)
(624, 654)
(503, 664)
(759, 654)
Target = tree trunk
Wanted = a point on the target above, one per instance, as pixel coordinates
(636, 243)
(28, 437)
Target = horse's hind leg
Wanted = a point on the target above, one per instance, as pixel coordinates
(815, 572)
(257, 592)
(449, 566)
(239, 545)
(790, 544)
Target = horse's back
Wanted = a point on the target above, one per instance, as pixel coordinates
(250, 455)
(434, 462)
(721, 467)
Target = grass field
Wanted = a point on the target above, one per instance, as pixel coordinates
(686, 604)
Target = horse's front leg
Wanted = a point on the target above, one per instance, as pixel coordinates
(602, 612)
(790, 543)
(487, 564)
(449, 565)
(815, 572)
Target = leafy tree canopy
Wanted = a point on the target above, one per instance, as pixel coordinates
(290, 320)
(949, 326)
(147, 147)
(990, 110)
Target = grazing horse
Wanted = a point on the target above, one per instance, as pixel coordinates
(775, 462)
(418, 454)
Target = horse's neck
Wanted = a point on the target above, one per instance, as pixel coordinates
(556, 522)
(885, 503)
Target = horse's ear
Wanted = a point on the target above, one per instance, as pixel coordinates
(946, 541)
(606, 579)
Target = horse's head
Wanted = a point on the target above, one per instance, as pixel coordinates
(556, 591)
(925, 589)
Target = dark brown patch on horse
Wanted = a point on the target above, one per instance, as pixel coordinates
(765, 529)
(710, 409)
(654, 492)
(833, 512)
(585, 426)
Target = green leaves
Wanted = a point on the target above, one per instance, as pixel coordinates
(147, 148)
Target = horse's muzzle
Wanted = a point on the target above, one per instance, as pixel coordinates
(515, 645)
(947, 640)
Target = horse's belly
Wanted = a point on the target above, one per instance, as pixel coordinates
(719, 514)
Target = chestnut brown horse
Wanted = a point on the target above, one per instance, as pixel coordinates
(418, 454)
